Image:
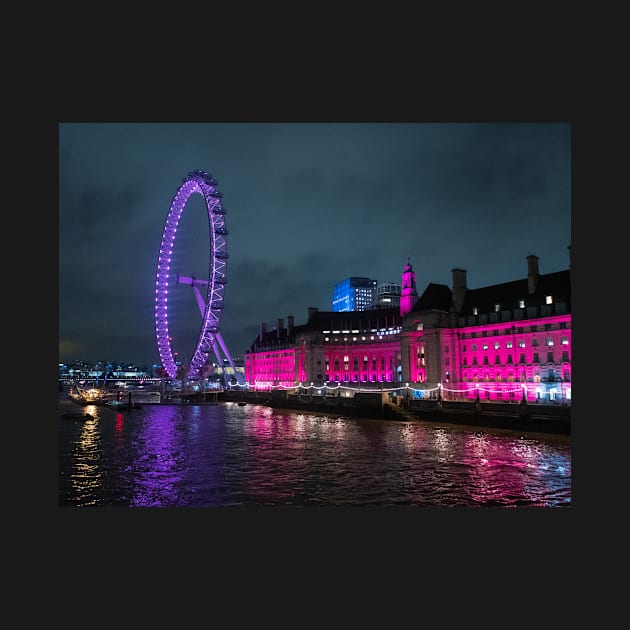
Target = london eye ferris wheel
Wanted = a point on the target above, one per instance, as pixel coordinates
(209, 292)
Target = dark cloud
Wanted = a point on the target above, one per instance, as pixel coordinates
(307, 206)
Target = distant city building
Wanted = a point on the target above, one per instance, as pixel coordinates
(387, 295)
(354, 294)
(502, 342)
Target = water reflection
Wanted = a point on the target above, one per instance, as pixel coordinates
(159, 453)
(226, 455)
(86, 473)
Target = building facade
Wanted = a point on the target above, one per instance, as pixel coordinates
(354, 294)
(503, 342)
(387, 295)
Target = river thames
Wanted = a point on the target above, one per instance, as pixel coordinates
(225, 455)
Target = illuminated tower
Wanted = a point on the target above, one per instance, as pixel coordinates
(408, 294)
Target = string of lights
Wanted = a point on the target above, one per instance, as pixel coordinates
(390, 389)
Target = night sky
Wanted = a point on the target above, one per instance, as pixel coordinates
(308, 205)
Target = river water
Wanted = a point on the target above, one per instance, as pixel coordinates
(230, 455)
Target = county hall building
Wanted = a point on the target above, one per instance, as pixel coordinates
(501, 342)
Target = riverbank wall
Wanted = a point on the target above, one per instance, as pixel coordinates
(542, 418)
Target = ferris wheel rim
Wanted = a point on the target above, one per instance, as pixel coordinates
(202, 183)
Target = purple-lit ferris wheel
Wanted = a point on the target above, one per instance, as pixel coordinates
(211, 304)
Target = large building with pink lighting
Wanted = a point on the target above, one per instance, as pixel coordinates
(502, 342)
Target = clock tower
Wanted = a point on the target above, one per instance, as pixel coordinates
(408, 293)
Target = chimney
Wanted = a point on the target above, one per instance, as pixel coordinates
(289, 325)
(532, 273)
(263, 330)
(280, 326)
(311, 311)
(459, 288)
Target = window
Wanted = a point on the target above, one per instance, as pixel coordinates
(534, 343)
(474, 347)
(549, 341)
(564, 341)
(475, 310)
(549, 357)
(521, 303)
(485, 346)
(497, 345)
(565, 356)
(521, 344)
(497, 308)
(548, 299)
(536, 358)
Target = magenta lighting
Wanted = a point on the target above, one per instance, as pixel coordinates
(201, 183)
(508, 342)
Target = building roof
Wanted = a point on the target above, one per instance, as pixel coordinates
(508, 294)
(435, 296)
(353, 320)
(332, 320)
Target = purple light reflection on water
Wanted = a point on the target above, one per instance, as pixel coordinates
(229, 455)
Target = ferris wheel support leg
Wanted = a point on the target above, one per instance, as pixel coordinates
(239, 377)
(201, 302)
(217, 354)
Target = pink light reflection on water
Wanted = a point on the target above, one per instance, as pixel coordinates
(502, 472)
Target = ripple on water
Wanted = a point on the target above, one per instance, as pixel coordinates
(220, 455)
